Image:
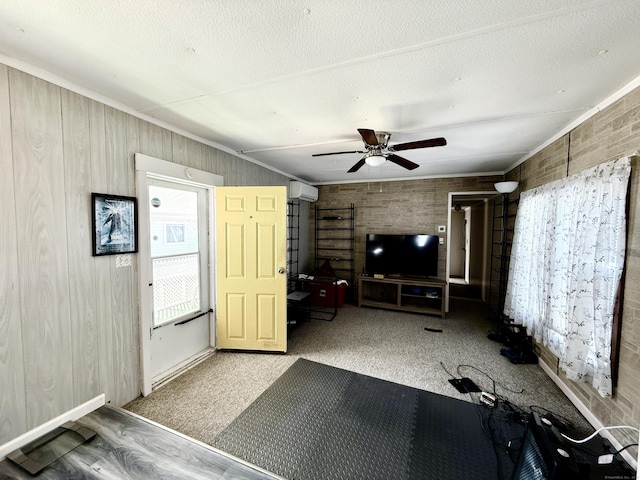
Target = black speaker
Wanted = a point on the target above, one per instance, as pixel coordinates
(544, 454)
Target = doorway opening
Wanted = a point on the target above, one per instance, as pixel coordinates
(469, 244)
(178, 226)
(176, 284)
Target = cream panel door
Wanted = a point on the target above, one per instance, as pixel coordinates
(251, 280)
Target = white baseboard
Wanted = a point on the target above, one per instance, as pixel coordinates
(584, 410)
(35, 433)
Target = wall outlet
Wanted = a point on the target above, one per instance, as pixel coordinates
(442, 228)
(123, 260)
(441, 240)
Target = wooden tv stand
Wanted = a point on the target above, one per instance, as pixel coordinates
(403, 293)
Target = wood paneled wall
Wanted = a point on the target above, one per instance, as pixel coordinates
(69, 321)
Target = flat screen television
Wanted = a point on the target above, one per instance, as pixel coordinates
(406, 255)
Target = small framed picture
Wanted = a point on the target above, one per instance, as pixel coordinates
(115, 224)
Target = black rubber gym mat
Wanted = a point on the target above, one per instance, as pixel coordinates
(321, 422)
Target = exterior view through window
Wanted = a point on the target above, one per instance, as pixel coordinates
(174, 253)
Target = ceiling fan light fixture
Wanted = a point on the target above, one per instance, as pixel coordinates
(377, 150)
(375, 160)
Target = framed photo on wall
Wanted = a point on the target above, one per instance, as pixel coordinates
(115, 224)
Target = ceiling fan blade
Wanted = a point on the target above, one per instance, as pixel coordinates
(403, 162)
(432, 142)
(357, 166)
(369, 136)
(335, 153)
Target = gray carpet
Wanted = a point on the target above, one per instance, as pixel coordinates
(384, 344)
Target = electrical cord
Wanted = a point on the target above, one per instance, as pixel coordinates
(485, 425)
(607, 458)
(517, 410)
(624, 448)
(501, 398)
(486, 428)
(586, 439)
(445, 369)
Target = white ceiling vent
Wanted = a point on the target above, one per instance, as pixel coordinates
(303, 191)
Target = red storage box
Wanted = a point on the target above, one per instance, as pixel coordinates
(324, 294)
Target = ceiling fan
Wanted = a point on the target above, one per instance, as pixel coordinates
(377, 150)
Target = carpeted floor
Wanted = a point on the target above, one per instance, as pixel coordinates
(389, 345)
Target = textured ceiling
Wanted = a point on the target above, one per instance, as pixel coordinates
(280, 80)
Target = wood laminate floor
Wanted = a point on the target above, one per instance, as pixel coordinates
(129, 447)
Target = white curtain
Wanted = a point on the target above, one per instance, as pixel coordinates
(566, 262)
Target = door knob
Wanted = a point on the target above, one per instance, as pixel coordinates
(281, 270)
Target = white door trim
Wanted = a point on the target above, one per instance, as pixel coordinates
(145, 166)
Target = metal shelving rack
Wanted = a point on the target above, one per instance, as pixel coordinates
(335, 240)
(504, 213)
(293, 242)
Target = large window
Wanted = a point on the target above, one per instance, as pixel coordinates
(565, 268)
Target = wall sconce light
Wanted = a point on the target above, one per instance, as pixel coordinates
(506, 187)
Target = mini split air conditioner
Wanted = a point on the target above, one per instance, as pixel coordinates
(303, 191)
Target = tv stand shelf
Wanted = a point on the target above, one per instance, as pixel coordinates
(403, 293)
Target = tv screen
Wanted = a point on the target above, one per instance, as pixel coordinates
(410, 255)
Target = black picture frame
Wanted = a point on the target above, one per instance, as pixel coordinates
(114, 224)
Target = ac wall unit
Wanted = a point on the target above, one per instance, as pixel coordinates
(303, 191)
